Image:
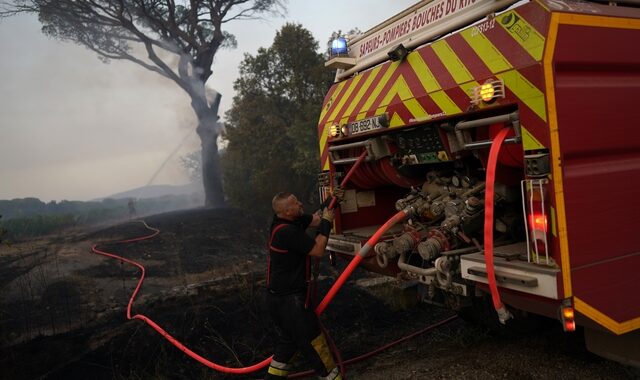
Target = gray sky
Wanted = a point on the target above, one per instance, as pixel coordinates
(74, 128)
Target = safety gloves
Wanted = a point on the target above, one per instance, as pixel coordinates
(338, 193)
(326, 222)
(328, 215)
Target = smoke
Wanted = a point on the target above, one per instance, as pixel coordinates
(75, 128)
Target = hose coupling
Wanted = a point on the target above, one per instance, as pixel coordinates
(504, 315)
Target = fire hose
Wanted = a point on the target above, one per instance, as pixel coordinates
(327, 299)
(503, 313)
(159, 329)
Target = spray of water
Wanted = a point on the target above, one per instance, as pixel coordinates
(164, 163)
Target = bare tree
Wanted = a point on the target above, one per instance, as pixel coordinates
(179, 40)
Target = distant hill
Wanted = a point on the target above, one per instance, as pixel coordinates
(154, 191)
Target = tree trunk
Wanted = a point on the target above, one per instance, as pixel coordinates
(208, 130)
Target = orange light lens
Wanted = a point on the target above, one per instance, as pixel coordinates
(538, 222)
(487, 91)
(567, 313)
(334, 131)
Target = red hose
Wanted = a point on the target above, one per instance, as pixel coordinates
(401, 215)
(155, 326)
(503, 314)
(358, 257)
(383, 348)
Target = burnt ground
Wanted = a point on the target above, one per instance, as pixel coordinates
(63, 313)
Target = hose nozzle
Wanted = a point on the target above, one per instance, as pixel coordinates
(504, 315)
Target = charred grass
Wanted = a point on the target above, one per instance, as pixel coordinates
(205, 286)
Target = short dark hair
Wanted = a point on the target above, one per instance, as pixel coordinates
(283, 195)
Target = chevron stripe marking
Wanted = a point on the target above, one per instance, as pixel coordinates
(395, 121)
(490, 55)
(529, 142)
(362, 91)
(324, 136)
(523, 33)
(431, 85)
(424, 74)
(401, 88)
(331, 102)
(353, 83)
(451, 62)
(445, 103)
(377, 89)
(528, 93)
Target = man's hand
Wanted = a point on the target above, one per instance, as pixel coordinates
(328, 214)
(338, 194)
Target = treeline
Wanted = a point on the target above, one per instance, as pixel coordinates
(272, 126)
(30, 217)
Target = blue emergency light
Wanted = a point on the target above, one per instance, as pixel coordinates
(339, 46)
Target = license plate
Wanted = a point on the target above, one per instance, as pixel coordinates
(365, 125)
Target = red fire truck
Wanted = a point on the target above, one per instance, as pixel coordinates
(507, 132)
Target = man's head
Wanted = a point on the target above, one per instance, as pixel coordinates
(286, 206)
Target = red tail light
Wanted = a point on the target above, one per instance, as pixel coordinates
(569, 325)
(536, 209)
(567, 315)
(538, 222)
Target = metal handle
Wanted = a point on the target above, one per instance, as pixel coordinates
(512, 118)
(376, 148)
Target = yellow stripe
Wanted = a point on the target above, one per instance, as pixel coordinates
(594, 314)
(487, 52)
(335, 94)
(319, 344)
(376, 91)
(445, 103)
(451, 61)
(401, 88)
(556, 168)
(525, 91)
(277, 372)
(523, 33)
(345, 96)
(324, 136)
(529, 142)
(431, 85)
(396, 121)
(425, 76)
(365, 87)
(323, 142)
(467, 87)
(599, 21)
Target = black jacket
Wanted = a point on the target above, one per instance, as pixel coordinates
(289, 247)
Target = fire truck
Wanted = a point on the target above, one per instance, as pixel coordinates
(508, 134)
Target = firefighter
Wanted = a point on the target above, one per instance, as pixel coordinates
(288, 299)
(133, 214)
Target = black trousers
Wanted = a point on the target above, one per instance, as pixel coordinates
(298, 330)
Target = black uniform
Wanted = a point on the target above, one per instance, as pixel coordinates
(295, 321)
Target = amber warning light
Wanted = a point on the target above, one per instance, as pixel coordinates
(567, 316)
(487, 92)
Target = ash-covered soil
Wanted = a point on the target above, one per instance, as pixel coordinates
(63, 313)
